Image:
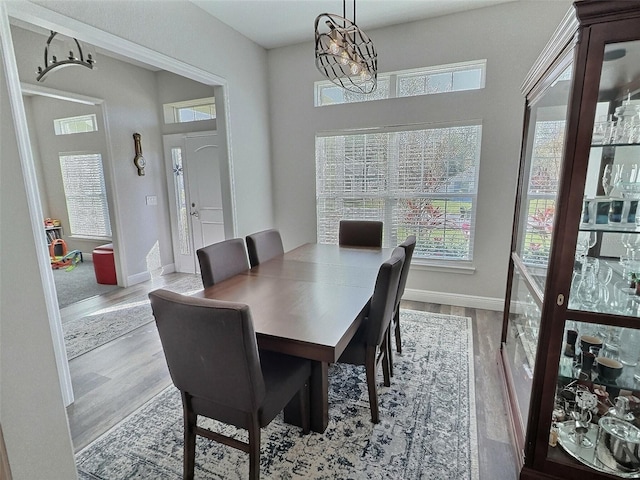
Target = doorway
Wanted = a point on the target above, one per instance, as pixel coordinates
(127, 210)
(195, 195)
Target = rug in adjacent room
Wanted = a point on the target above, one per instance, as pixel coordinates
(427, 426)
(87, 332)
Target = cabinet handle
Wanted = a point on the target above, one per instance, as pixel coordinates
(560, 300)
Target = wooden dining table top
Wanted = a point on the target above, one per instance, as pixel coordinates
(308, 302)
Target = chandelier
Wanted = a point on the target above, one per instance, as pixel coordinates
(51, 59)
(344, 53)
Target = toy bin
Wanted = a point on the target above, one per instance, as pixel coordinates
(104, 265)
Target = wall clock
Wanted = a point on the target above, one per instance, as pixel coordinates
(138, 160)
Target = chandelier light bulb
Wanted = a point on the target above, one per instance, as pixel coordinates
(334, 48)
(344, 58)
(355, 68)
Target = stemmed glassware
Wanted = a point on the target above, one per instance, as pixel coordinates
(607, 180)
(630, 261)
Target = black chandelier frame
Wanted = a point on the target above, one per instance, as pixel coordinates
(344, 53)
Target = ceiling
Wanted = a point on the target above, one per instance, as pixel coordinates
(276, 23)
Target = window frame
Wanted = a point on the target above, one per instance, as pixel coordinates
(172, 110)
(390, 81)
(60, 125)
(389, 196)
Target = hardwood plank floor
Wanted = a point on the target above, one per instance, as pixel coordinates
(115, 379)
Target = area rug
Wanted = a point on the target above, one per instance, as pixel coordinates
(88, 332)
(427, 426)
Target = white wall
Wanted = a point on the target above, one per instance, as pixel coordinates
(510, 37)
(31, 409)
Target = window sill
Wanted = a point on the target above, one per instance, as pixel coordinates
(462, 268)
(90, 238)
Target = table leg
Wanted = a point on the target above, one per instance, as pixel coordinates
(319, 399)
(319, 396)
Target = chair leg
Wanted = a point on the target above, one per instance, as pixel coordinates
(190, 420)
(370, 368)
(390, 352)
(254, 449)
(396, 320)
(386, 369)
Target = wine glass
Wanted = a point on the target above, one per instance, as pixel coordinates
(607, 181)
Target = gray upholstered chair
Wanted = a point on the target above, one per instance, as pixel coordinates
(222, 260)
(360, 233)
(263, 246)
(212, 354)
(409, 246)
(370, 344)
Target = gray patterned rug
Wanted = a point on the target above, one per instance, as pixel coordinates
(427, 426)
(83, 334)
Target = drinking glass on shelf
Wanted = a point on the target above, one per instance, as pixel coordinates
(607, 179)
(630, 346)
(586, 240)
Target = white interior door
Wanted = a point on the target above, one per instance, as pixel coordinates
(197, 218)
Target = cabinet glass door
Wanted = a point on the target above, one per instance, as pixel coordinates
(539, 182)
(599, 368)
(607, 257)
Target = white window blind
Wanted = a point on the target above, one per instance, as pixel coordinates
(417, 181)
(86, 196)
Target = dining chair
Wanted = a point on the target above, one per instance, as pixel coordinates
(409, 246)
(212, 354)
(222, 260)
(370, 343)
(263, 246)
(360, 233)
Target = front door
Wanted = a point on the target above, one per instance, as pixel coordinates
(193, 166)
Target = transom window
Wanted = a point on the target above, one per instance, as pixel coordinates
(190, 110)
(79, 124)
(453, 77)
(86, 195)
(419, 181)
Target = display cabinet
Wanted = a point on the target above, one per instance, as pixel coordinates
(570, 348)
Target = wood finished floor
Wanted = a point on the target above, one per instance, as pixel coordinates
(115, 379)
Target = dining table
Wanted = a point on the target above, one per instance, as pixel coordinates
(309, 303)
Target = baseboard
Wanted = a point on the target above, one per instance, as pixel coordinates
(138, 278)
(456, 299)
(144, 276)
(170, 268)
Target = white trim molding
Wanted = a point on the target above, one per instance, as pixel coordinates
(456, 299)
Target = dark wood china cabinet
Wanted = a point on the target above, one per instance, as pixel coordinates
(571, 334)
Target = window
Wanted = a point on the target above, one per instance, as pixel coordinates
(181, 200)
(85, 192)
(546, 161)
(420, 182)
(71, 125)
(190, 111)
(454, 77)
